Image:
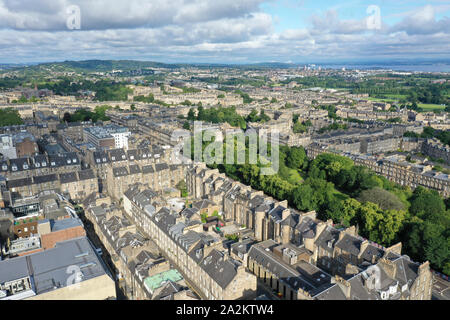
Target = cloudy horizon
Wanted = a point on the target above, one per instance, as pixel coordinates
(229, 31)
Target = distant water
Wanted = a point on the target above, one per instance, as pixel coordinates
(431, 67)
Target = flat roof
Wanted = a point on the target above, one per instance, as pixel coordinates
(154, 282)
(49, 269)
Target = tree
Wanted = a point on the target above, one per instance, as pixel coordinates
(299, 128)
(384, 199)
(425, 240)
(263, 116)
(303, 198)
(296, 158)
(9, 117)
(201, 114)
(253, 116)
(191, 114)
(186, 125)
(426, 203)
(66, 117)
(343, 212)
(381, 227)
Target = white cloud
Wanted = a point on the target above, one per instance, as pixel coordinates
(204, 30)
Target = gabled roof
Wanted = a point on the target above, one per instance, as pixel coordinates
(220, 270)
(328, 238)
(350, 244)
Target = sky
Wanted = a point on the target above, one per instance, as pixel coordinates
(224, 31)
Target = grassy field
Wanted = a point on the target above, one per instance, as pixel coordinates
(425, 107)
(380, 100)
(430, 107)
(294, 177)
(396, 96)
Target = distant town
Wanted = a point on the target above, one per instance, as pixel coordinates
(100, 200)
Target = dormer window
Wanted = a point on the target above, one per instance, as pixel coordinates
(37, 164)
(393, 289)
(53, 163)
(74, 160)
(4, 167)
(14, 167)
(113, 158)
(131, 157)
(124, 157)
(69, 161)
(25, 166)
(144, 156)
(44, 164)
(98, 160)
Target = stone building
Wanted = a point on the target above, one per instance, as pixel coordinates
(198, 255)
(341, 253)
(43, 275)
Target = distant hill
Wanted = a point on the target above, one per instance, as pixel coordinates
(103, 65)
(128, 65)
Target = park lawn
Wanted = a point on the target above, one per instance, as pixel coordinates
(430, 107)
(340, 196)
(294, 177)
(380, 100)
(396, 96)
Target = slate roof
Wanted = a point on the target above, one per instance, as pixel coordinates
(19, 164)
(350, 244)
(120, 172)
(19, 183)
(45, 179)
(328, 236)
(307, 228)
(148, 169)
(134, 169)
(86, 174)
(161, 166)
(370, 252)
(101, 156)
(203, 204)
(68, 177)
(221, 270)
(117, 155)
